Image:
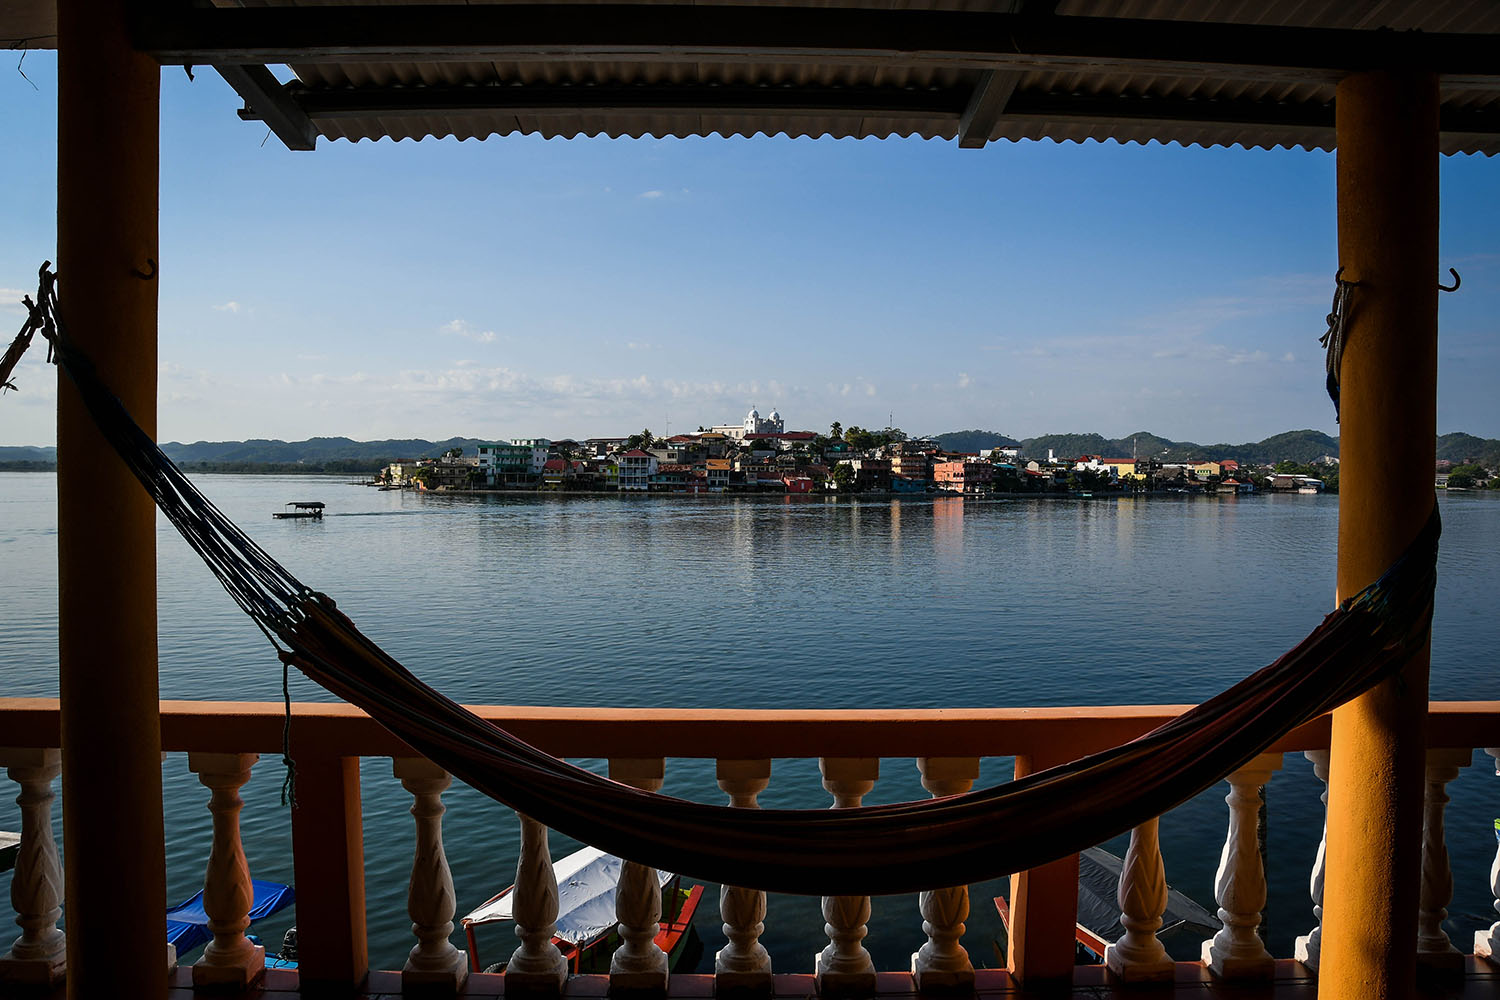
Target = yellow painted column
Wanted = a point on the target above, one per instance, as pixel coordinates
(107, 158)
(1388, 232)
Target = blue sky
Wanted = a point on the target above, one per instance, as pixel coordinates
(519, 287)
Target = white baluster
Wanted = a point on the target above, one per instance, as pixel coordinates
(743, 966)
(1310, 945)
(536, 966)
(230, 959)
(1487, 942)
(38, 958)
(1236, 952)
(433, 964)
(1434, 950)
(639, 965)
(1138, 956)
(845, 967)
(942, 963)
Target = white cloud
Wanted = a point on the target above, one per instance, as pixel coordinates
(639, 345)
(963, 380)
(10, 301)
(651, 195)
(231, 307)
(462, 328)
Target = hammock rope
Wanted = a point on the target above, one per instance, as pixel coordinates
(883, 849)
(1334, 339)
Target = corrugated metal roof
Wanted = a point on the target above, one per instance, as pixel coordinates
(1036, 110)
(563, 94)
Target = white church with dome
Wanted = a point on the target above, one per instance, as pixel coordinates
(753, 423)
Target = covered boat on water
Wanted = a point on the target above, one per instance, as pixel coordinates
(302, 509)
(587, 882)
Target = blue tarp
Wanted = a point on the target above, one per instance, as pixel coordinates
(187, 924)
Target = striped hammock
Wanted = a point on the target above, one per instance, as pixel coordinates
(903, 847)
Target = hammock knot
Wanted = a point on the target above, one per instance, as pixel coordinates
(1335, 337)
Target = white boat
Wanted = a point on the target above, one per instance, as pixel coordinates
(587, 882)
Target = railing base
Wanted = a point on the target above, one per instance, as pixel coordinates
(1139, 972)
(1257, 968)
(240, 976)
(33, 973)
(1190, 981)
(437, 982)
(842, 984)
(940, 981)
(744, 985)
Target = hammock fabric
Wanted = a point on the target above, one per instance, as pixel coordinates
(896, 848)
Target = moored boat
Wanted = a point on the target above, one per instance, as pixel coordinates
(187, 923)
(586, 933)
(1099, 913)
(312, 509)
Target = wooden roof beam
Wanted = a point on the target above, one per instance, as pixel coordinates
(986, 106)
(711, 33)
(539, 100)
(1146, 109)
(267, 101)
(543, 99)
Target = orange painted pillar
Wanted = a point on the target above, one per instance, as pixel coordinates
(1043, 904)
(328, 852)
(1388, 234)
(107, 152)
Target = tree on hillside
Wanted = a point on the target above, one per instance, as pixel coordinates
(1468, 476)
(836, 431)
(453, 453)
(842, 475)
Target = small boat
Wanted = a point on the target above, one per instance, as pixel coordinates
(302, 509)
(1099, 914)
(187, 924)
(10, 849)
(586, 934)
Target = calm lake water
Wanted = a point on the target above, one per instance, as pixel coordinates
(774, 602)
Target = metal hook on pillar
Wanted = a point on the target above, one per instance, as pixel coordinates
(1456, 282)
(146, 275)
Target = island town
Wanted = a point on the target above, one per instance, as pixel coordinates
(759, 455)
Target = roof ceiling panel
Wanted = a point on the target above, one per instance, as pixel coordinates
(808, 91)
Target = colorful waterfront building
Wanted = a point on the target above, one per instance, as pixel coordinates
(636, 467)
(963, 476)
(504, 463)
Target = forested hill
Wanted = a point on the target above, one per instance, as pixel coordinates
(314, 450)
(974, 441)
(1466, 449)
(340, 455)
(1295, 446)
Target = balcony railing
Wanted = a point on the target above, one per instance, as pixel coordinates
(223, 741)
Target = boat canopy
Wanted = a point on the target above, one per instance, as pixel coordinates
(1099, 911)
(187, 924)
(587, 881)
(307, 504)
